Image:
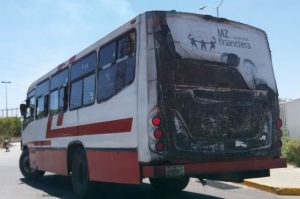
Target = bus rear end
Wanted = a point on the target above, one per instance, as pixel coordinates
(217, 113)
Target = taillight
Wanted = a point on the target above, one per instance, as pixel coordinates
(159, 146)
(278, 122)
(279, 143)
(158, 142)
(158, 133)
(156, 121)
(279, 133)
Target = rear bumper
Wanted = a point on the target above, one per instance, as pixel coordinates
(195, 169)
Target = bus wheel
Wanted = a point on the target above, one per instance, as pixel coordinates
(80, 177)
(24, 165)
(169, 185)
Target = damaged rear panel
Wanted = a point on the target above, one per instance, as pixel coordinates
(215, 87)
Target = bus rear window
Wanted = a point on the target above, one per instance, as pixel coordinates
(200, 74)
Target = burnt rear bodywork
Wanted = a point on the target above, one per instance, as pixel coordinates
(209, 109)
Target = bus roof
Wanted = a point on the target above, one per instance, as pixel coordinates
(124, 28)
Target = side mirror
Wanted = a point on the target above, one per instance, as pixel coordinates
(23, 109)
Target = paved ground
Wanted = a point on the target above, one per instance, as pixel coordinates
(14, 186)
(285, 178)
(284, 181)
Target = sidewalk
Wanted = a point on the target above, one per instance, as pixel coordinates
(285, 181)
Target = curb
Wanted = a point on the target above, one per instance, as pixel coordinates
(276, 190)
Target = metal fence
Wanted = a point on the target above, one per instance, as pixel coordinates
(12, 112)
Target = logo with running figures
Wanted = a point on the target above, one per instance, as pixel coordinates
(224, 39)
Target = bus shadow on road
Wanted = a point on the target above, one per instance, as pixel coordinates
(60, 187)
(221, 185)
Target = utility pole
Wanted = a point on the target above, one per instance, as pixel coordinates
(6, 82)
(217, 8)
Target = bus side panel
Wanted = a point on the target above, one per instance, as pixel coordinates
(52, 160)
(118, 166)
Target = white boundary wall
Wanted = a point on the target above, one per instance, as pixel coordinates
(290, 114)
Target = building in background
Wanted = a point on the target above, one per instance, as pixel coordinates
(290, 115)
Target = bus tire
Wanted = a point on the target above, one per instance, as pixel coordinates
(169, 185)
(80, 176)
(24, 165)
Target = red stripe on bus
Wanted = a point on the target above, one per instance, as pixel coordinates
(114, 166)
(52, 160)
(72, 59)
(118, 166)
(40, 143)
(115, 126)
(217, 167)
(59, 67)
(60, 119)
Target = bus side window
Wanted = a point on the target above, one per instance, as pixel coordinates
(63, 99)
(59, 91)
(82, 91)
(76, 95)
(117, 73)
(54, 102)
(42, 99)
(30, 103)
(46, 105)
(126, 46)
(89, 90)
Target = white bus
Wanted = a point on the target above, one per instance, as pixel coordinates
(167, 96)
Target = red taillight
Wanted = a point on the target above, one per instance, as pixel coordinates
(278, 122)
(159, 146)
(279, 143)
(158, 133)
(156, 121)
(279, 133)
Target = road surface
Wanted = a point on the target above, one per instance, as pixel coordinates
(13, 185)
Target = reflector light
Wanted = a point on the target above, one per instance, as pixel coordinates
(279, 143)
(279, 133)
(279, 123)
(159, 146)
(158, 133)
(156, 121)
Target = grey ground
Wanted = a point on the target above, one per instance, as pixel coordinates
(13, 185)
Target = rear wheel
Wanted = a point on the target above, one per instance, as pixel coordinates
(24, 165)
(80, 176)
(170, 185)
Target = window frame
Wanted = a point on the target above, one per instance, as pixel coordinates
(44, 96)
(81, 78)
(116, 40)
(58, 90)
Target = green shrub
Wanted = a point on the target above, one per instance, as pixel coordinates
(291, 150)
(10, 127)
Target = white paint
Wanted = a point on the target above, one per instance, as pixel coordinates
(251, 46)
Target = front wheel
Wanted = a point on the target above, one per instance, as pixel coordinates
(80, 176)
(24, 165)
(170, 185)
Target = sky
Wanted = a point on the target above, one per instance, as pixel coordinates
(38, 35)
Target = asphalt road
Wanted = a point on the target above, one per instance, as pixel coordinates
(13, 185)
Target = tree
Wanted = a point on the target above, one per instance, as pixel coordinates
(10, 127)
